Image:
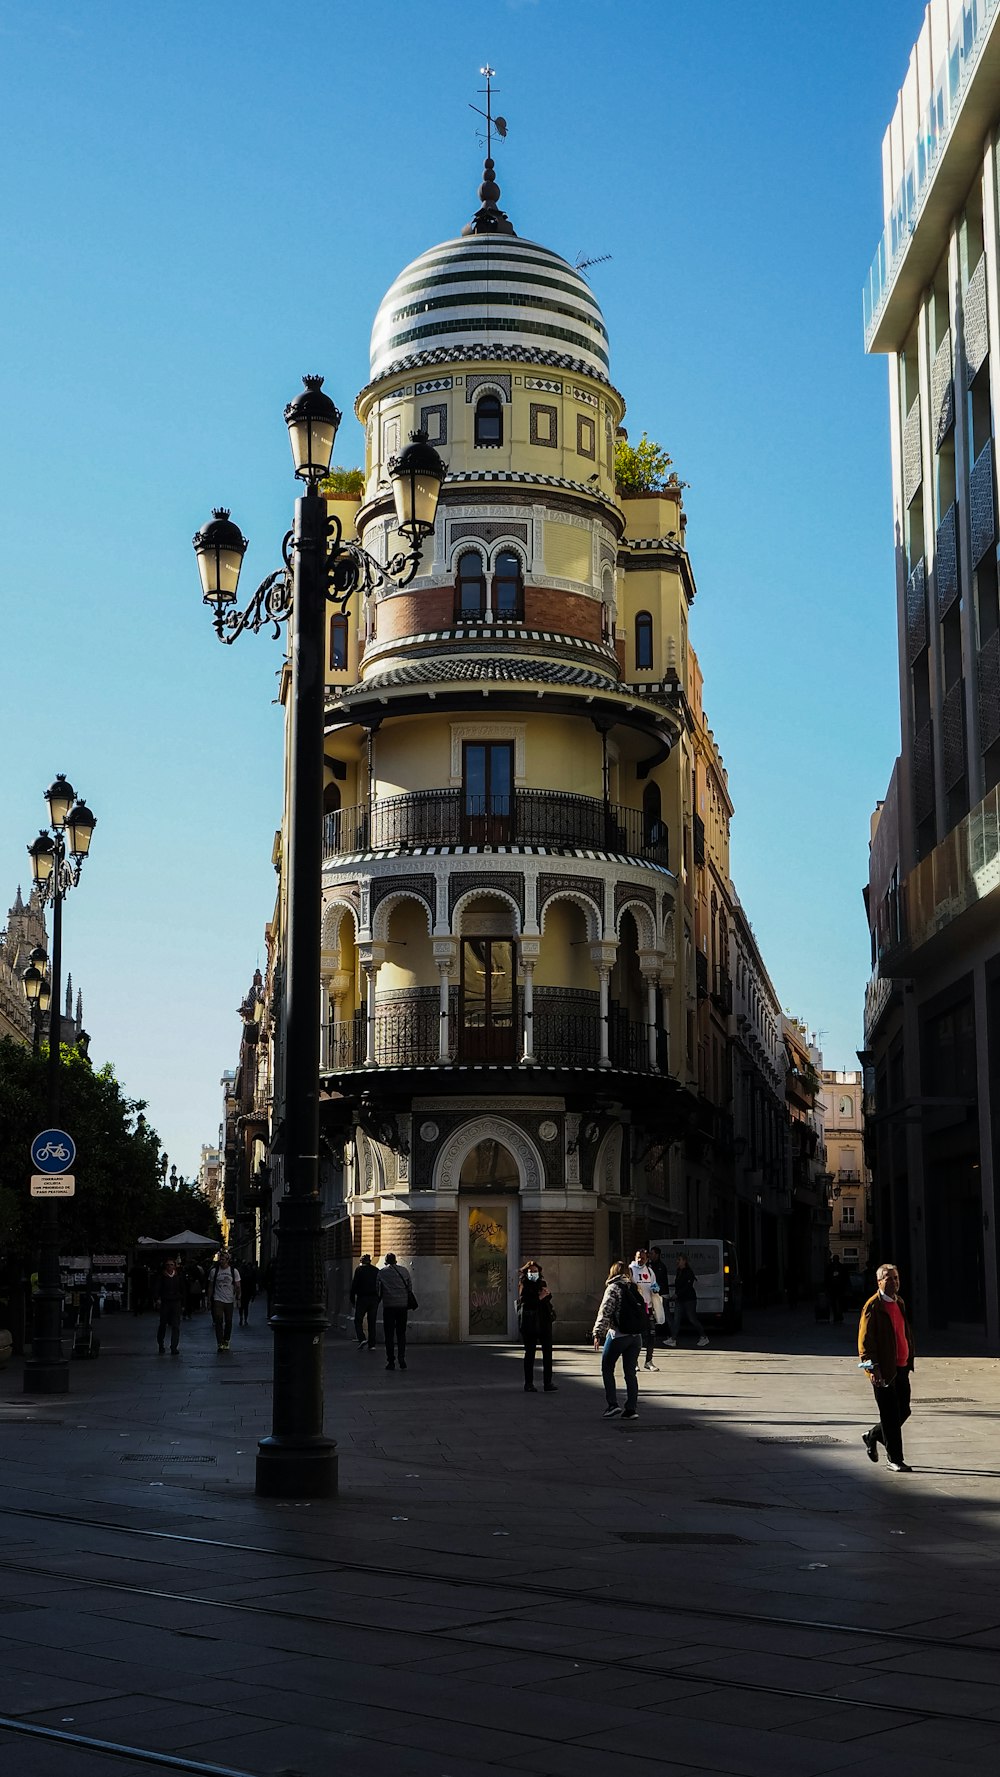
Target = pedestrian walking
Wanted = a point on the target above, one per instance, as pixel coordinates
(170, 1302)
(223, 1297)
(364, 1298)
(396, 1296)
(685, 1302)
(249, 1284)
(535, 1314)
(836, 1281)
(885, 1347)
(619, 1331)
(644, 1278)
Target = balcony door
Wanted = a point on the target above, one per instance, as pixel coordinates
(487, 1010)
(487, 792)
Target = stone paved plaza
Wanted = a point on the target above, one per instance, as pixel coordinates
(506, 1583)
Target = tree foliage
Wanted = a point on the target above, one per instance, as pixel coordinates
(641, 468)
(341, 482)
(119, 1189)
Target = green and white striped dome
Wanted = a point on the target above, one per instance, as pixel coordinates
(493, 290)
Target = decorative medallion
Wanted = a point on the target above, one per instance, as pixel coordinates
(429, 1132)
(548, 1131)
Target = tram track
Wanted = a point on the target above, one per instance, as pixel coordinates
(571, 1594)
(437, 1636)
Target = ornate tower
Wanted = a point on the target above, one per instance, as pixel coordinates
(498, 882)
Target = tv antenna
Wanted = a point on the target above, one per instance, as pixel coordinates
(583, 264)
(498, 124)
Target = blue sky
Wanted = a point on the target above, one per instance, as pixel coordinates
(200, 202)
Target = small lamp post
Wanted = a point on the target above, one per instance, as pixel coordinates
(57, 857)
(297, 1460)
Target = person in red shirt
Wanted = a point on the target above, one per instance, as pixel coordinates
(885, 1346)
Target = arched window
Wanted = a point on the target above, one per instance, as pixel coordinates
(489, 420)
(508, 587)
(470, 587)
(338, 644)
(644, 642)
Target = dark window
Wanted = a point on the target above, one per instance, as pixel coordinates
(470, 587)
(489, 420)
(487, 792)
(507, 585)
(338, 644)
(644, 641)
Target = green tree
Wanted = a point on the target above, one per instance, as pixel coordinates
(343, 481)
(117, 1162)
(641, 468)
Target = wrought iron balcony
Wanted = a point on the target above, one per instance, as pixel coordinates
(407, 1034)
(547, 818)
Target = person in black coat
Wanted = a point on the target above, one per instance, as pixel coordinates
(535, 1315)
(169, 1300)
(364, 1297)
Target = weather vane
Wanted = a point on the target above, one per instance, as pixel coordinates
(499, 124)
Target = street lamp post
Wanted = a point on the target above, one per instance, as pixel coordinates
(56, 861)
(37, 992)
(297, 1460)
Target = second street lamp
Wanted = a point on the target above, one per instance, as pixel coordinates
(56, 861)
(297, 1460)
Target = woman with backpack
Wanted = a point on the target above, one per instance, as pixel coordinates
(619, 1331)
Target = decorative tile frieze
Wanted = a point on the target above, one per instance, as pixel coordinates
(461, 882)
(434, 421)
(543, 424)
(546, 383)
(499, 382)
(420, 887)
(584, 395)
(488, 531)
(432, 385)
(634, 891)
(564, 883)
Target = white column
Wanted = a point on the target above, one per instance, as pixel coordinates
(528, 1054)
(445, 954)
(604, 980)
(371, 961)
(529, 949)
(443, 1055)
(603, 957)
(651, 1020)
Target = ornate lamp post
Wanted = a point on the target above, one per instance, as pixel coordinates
(37, 992)
(297, 1460)
(56, 862)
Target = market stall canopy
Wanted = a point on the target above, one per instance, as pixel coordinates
(186, 1241)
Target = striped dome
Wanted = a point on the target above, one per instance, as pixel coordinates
(494, 290)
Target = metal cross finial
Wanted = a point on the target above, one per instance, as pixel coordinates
(499, 124)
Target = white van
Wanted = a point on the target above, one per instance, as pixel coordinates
(720, 1292)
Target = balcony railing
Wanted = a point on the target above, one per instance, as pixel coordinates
(408, 1035)
(545, 818)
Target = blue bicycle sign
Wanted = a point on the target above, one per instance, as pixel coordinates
(53, 1151)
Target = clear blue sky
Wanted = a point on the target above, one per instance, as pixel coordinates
(198, 202)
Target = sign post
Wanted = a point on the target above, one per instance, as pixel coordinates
(52, 1155)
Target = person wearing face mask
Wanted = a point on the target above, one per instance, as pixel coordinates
(535, 1314)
